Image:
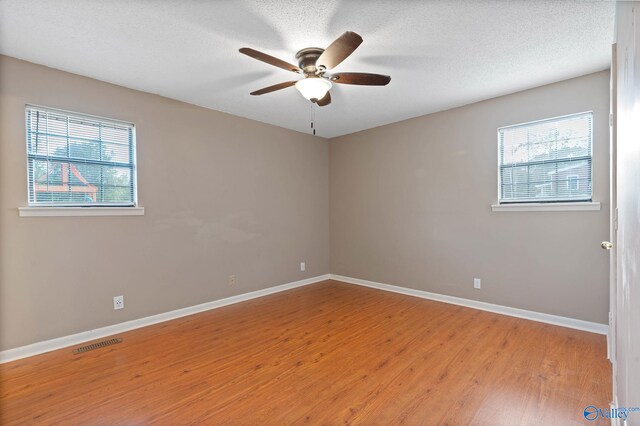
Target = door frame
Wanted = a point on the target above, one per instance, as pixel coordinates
(613, 210)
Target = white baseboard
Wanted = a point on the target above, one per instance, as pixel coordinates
(74, 339)
(484, 306)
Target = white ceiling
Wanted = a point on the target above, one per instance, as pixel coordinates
(440, 54)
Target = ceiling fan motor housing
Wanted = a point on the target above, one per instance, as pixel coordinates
(307, 59)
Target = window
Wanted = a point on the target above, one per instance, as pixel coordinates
(573, 183)
(546, 161)
(79, 160)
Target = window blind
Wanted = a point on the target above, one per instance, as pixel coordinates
(547, 160)
(79, 160)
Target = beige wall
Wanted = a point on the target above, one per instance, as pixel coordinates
(410, 206)
(223, 195)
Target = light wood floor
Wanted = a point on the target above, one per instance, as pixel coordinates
(328, 353)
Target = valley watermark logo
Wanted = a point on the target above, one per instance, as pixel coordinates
(592, 412)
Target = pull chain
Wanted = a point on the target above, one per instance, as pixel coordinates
(313, 119)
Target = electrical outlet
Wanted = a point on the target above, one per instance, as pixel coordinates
(303, 267)
(476, 283)
(232, 280)
(118, 302)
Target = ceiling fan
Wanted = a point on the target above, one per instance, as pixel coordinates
(313, 63)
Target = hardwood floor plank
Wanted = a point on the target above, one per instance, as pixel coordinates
(322, 354)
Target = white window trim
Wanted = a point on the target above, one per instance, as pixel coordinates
(80, 211)
(549, 207)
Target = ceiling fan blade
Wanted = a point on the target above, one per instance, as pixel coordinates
(326, 100)
(360, 78)
(338, 51)
(273, 88)
(270, 60)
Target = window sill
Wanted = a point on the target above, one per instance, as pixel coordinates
(80, 211)
(545, 207)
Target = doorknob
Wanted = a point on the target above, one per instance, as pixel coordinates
(606, 245)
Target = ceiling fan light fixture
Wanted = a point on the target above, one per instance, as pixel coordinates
(313, 88)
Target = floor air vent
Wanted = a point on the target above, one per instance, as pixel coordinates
(97, 345)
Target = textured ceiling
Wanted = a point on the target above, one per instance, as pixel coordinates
(440, 54)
